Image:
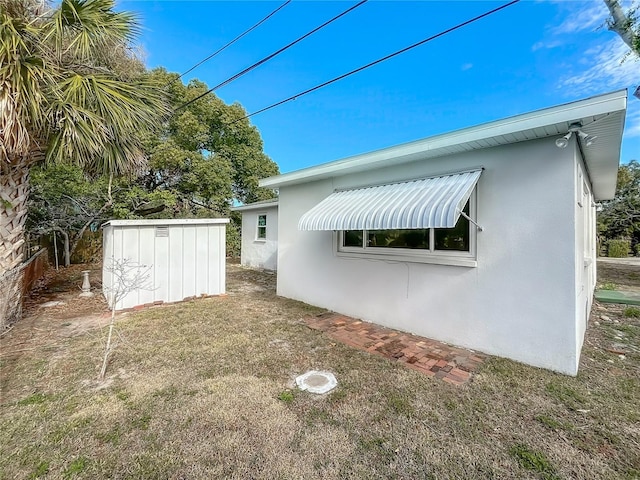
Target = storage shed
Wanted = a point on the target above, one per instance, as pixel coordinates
(184, 257)
(259, 234)
(483, 237)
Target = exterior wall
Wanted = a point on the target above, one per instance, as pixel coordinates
(257, 252)
(519, 302)
(585, 254)
(190, 261)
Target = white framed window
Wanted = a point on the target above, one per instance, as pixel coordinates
(444, 246)
(261, 230)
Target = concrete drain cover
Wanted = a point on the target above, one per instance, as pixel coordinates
(317, 382)
(53, 303)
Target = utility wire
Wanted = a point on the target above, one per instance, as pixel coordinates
(266, 59)
(230, 43)
(380, 60)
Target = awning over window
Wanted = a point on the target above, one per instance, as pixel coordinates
(426, 203)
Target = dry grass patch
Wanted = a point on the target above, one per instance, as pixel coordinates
(205, 390)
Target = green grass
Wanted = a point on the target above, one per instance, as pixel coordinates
(608, 286)
(534, 461)
(76, 467)
(566, 394)
(553, 423)
(286, 396)
(41, 470)
(141, 423)
(203, 391)
(400, 404)
(35, 399)
(632, 312)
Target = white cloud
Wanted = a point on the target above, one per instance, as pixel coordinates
(466, 66)
(632, 125)
(581, 16)
(603, 69)
(546, 44)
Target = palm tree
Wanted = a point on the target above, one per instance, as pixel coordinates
(61, 100)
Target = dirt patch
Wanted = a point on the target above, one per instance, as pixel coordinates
(622, 275)
(242, 280)
(53, 314)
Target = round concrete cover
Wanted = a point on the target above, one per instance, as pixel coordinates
(317, 382)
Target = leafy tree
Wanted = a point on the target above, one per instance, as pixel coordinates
(63, 200)
(62, 99)
(620, 217)
(208, 156)
(625, 24)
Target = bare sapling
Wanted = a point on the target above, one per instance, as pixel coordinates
(126, 276)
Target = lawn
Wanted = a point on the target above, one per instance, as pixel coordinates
(204, 390)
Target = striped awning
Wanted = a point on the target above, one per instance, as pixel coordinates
(433, 202)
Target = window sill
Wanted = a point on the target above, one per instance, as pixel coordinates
(261, 240)
(456, 261)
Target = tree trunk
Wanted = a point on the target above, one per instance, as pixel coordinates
(14, 192)
(66, 251)
(621, 24)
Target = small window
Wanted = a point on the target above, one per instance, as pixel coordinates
(262, 227)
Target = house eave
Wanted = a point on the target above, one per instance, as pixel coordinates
(255, 206)
(601, 115)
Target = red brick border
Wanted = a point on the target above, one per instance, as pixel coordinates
(435, 359)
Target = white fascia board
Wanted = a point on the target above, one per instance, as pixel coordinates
(167, 222)
(254, 206)
(558, 115)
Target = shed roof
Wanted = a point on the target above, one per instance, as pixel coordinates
(165, 222)
(601, 115)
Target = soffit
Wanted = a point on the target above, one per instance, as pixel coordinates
(602, 116)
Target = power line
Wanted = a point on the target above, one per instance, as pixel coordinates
(231, 42)
(266, 59)
(380, 60)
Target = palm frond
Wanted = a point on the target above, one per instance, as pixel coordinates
(59, 94)
(84, 26)
(114, 111)
(22, 73)
(78, 135)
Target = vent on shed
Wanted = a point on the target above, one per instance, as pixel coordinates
(162, 231)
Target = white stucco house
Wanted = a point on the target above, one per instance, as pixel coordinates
(483, 237)
(259, 234)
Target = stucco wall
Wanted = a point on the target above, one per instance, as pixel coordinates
(257, 252)
(585, 253)
(519, 302)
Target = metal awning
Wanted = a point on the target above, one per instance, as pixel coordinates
(434, 202)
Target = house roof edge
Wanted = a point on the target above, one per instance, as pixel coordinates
(559, 117)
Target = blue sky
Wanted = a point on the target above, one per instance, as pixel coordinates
(532, 55)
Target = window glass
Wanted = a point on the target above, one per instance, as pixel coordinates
(262, 227)
(456, 238)
(398, 238)
(352, 238)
